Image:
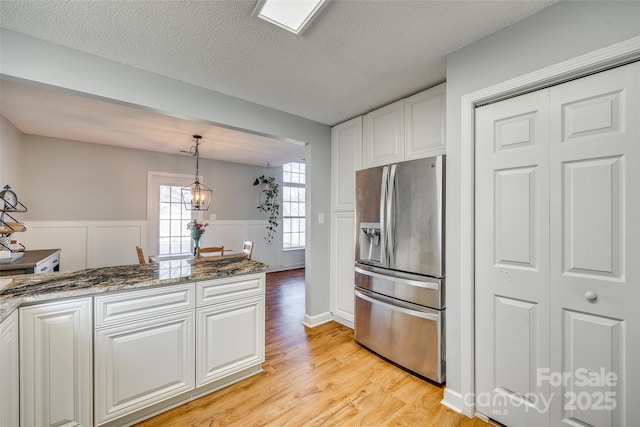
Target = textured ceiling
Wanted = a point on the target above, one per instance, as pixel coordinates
(44, 112)
(355, 57)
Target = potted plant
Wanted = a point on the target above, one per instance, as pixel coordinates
(271, 205)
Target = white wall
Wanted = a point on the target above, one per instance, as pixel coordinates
(77, 191)
(72, 180)
(33, 61)
(561, 32)
(10, 156)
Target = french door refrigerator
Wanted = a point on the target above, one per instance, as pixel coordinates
(399, 264)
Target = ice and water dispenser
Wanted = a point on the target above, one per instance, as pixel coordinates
(369, 240)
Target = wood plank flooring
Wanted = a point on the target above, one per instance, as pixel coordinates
(316, 377)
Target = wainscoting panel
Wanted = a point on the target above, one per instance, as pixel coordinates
(115, 244)
(87, 244)
(231, 234)
(91, 244)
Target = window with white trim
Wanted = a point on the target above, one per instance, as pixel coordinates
(293, 205)
(173, 236)
(167, 218)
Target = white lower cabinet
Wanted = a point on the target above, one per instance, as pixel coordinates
(9, 372)
(142, 363)
(230, 338)
(56, 364)
(144, 350)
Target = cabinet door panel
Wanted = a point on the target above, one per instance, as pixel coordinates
(383, 136)
(9, 370)
(424, 115)
(56, 359)
(142, 363)
(346, 146)
(342, 273)
(230, 338)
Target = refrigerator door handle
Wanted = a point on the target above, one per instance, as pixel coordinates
(435, 284)
(383, 203)
(390, 217)
(395, 306)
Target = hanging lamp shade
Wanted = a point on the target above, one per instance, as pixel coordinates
(196, 196)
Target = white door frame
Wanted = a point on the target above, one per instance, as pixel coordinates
(601, 59)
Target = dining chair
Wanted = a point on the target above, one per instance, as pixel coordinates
(141, 259)
(247, 248)
(211, 249)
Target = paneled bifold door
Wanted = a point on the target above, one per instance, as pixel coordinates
(558, 254)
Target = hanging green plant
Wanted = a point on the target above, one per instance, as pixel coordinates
(270, 205)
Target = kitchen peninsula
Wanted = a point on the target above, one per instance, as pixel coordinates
(111, 346)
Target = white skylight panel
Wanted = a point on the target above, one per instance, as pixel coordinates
(292, 15)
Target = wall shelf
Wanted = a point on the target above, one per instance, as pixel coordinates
(10, 225)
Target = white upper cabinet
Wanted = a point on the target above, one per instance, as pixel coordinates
(346, 149)
(412, 128)
(408, 129)
(424, 118)
(383, 135)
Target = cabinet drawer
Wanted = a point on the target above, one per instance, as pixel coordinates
(136, 305)
(43, 267)
(221, 290)
(55, 260)
(48, 264)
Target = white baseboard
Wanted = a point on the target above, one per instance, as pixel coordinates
(452, 400)
(284, 267)
(317, 320)
(346, 322)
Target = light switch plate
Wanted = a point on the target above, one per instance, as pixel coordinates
(320, 218)
(212, 217)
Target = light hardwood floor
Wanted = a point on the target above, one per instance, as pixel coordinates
(316, 377)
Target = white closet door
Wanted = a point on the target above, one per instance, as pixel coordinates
(595, 248)
(558, 254)
(512, 259)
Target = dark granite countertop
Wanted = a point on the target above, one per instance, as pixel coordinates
(32, 288)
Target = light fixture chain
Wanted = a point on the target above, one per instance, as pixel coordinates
(197, 159)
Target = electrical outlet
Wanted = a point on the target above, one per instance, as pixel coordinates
(212, 217)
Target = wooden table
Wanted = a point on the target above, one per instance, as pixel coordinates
(191, 258)
(213, 258)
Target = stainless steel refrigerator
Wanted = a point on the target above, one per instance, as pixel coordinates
(399, 264)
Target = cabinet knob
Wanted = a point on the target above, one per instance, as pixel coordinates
(590, 296)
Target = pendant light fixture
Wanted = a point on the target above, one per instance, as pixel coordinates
(196, 196)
